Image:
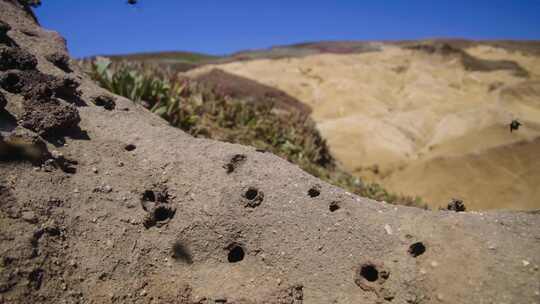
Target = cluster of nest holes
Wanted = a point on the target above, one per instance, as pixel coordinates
(371, 276)
(314, 191)
(235, 162)
(253, 197)
(417, 249)
(130, 147)
(156, 204)
(48, 106)
(235, 253)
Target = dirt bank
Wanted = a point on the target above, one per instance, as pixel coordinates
(123, 208)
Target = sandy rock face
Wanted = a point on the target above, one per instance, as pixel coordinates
(123, 208)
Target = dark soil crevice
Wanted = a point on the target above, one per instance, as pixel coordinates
(16, 58)
(60, 60)
(43, 111)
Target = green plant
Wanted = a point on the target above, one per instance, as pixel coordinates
(201, 111)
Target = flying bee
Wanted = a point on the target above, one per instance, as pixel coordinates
(514, 125)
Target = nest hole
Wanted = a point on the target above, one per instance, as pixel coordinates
(314, 192)
(149, 196)
(236, 253)
(162, 214)
(130, 147)
(334, 206)
(253, 197)
(417, 249)
(251, 194)
(369, 272)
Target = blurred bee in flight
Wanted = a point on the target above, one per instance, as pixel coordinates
(514, 125)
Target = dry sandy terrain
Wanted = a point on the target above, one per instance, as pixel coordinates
(420, 123)
(102, 201)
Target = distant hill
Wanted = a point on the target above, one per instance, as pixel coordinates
(183, 61)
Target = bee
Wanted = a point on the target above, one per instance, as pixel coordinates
(514, 125)
(17, 147)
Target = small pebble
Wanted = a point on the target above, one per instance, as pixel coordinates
(434, 264)
(103, 189)
(95, 170)
(388, 229)
(56, 154)
(525, 263)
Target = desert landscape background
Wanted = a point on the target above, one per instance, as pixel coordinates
(422, 118)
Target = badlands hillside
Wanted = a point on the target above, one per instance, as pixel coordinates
(102, 201)
(422, 118)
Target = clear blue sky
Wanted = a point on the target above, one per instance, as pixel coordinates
(224, 26)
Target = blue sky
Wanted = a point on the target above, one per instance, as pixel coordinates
(220, 27)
